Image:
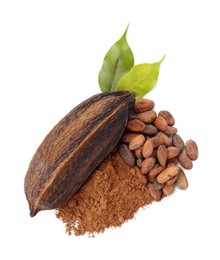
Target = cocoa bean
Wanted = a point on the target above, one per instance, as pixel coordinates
(147, 117)
(192, 149)
(168, 117)
(155, 194)
(149, 130)
(172, 180)
(166, 139)
(161, 123)
(181, 181)
(126, 155)
(162, 155)
(147, 148)
(147, 164)
(143, 104)
(172, 152)
(135, 125)
(155, 171)
(171, 130)
(167, 174)
(168, 189)
(158, 186)
(185, 161)
(157, 141)
(136, 142)
(178, 142)
(74, 148)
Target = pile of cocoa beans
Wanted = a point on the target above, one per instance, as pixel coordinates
(154, 150)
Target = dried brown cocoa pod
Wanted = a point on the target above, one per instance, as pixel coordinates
(155, 194)
(192, 149)
(74, 148)
(178, 142)
(143, 104)
(168, 117)
(147, 117)
(185, 161)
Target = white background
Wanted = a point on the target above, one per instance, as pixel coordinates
(50, 56)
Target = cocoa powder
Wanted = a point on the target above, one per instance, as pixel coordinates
(111, 196)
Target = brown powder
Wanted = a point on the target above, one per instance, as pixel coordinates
(111, 196)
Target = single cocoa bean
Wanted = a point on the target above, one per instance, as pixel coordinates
(143, 104)
(171, 130)
(162, 155)
(172, 152)
(178, 142)
(147, 164)
(172, 160)
(126, 155)
(185, 161)
(167, 174)
(155, 194)
(181, 181)
(161, 123)
(192, 149)
(168, 189)
(149, 130)
(136, 125)
(167, 116)
(136, 142)
(147, 117)
(167, 141)
(147, 148)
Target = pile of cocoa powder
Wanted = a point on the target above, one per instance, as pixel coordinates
(147, 165)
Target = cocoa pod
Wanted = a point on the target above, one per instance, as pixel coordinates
(167, 116)
(167, 174)
(74, 148)
(192, 149)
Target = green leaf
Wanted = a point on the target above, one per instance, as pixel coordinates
(117, 62)
(140, 79)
